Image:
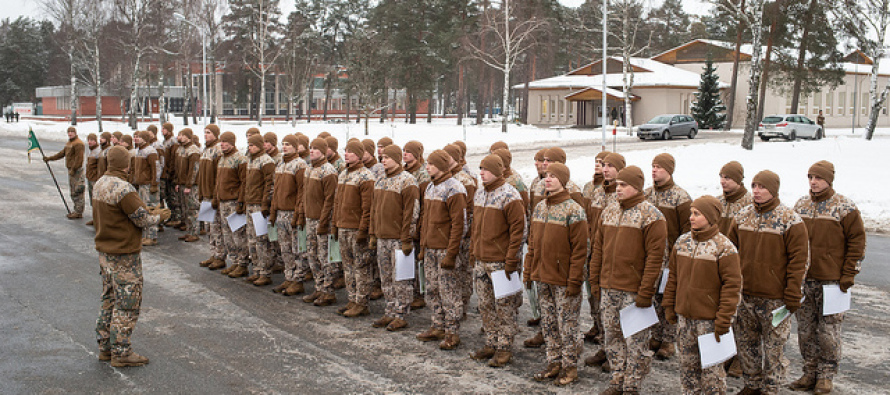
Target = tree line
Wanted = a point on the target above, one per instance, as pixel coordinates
(465, 53)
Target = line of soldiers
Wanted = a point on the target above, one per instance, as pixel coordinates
(706, 265)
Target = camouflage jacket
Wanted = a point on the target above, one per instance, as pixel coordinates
(837, 235)
(352, 201)
(557, 242)
(732, 205)
(500, 225)
(395, 207)
(119, 214)
(444, 215)
(674, 202)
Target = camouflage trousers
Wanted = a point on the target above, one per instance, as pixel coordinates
(693, 378)
(443, 290)
(498, 315)
(466, 275)
(121, 300)
(761, 347)
(258, 246)
(595, 314)
(356, 266)
(663, 331)
(189, 206)
(418, 265)
(171, 199)
(559, 324)
(295, 267)
(819, 335)
(317, 254)
(629, 357)
(235, 243)
(397, 293)
(77, 188)
(90, 190)
(151, 199)
(217, 246)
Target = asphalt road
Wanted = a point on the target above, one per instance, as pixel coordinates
(206, 333)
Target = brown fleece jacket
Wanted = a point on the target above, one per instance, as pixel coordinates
(705, 277)
(675, 203)
(395, 207)
(186, 169)
(837, 235)
(118, 214)
(92, 171)
(774, 251)
(557, 242)
(629, 246)
(258, 180)
(288, 184)
(498, 223)
(444, 210)
(320, 182)
(732, 203)
(207, 169)
(352, 201)
(231, 169)
(73, 154)
(145, 166)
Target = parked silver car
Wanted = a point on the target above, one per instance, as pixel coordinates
(667, 126)
(789, 127)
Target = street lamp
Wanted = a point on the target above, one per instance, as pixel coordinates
(203, 63)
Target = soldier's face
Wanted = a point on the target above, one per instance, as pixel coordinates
(609, 172)
(138, 140)
(267, 146)
(728, 184)
(225, 146)
(817, 184)
(408, 158)
(72, 135)
(350, 157)
(389, 163)
(209, 136)
(315, 154)
(697, 220)
(539, 166)
(552, 184)
(598, 167)
(92, 143)
(287, 148)
(760, 194)
(432, 170)
(625, 190)
(367, 156)
(659, 175)
(253, 149)
(486, 176)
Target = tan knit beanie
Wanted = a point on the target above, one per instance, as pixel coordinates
(463, 148)
(118, 158)
(271, 138)
(616, 160)
(734, 171)
(440, 159)
(255, 140)
(228, 137)
(333, 143)
(453, 151)
(498, 145)
(369, 146)
(539, 156)
(493, 164)
(384, 142)
(213, 129)
(303, 140)
(92, 137)
(324, 135)
(824, 170)
(127, 139)
(187, 132)
(769, 180)
(252, 131)
(393, 152)
(560, 171)
(320, 144)
(710, 207)
(415, 148)
(633, 176)
(602, 155)
(555, 154)
(290, 139)
(356, 148)
(665, 161)
(506, 157)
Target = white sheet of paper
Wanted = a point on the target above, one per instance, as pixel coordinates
(779, 315)
(502, 286)
(664, 280)
(712, 352)
(237, 221)
(206, 213)
(273, 233)
(834, 301)
(260, 224)
(404, 266)
(635, 319)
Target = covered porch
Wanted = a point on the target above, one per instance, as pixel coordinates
(588, 106)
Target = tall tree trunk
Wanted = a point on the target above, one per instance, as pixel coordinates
(134, 93)
(528, 77)
(730, 107)
(460, 94)
(97, 77)
(262, 109)
(480, 95)
(801, 58)
(188, 98)
(73, 88)
(754, 77)
(877, 99)
(764, 79)
(429, 109)
(328, 88)
(385, 103)
(311, 98)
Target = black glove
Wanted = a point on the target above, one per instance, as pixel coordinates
(720, 330)
(509, 270)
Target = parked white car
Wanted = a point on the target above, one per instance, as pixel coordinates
(789, 127)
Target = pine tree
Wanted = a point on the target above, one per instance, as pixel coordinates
(708, 108)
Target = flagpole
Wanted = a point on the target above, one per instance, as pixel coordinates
(52, 174)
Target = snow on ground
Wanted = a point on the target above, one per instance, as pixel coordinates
(857, 162)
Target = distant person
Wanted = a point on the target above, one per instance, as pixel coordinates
(73, 154)
(820, 120)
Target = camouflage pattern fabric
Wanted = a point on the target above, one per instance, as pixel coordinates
(498, 315)
(217, 246)
(731, 210)
(559, 324)
(629, 358)
(77, 188)
(398, 294)
(356, 266)
(258, 246)
(693, 378)
(190, 203)
(761, 347)
(294, 260)
(90, 189)
(418, 270)
(235, 243)
(819, 336)
(443, 292)
(151, 200)
(663, 331)
(463, 256)
(121, 300)
(317, 253)
(171, 200)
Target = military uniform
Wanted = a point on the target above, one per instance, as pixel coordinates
(187, 161)
(286, 195)
(73, 154)
(352, 214)
(144, 177)
(230, 171)
(320, 182)
(168, 177)
(257, 198)
(418, 170)
(92, 169)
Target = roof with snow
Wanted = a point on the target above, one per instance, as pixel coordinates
(648, 74)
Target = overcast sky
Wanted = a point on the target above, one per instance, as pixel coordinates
(14, 8)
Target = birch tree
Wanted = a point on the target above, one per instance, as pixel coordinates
(64, 12)
(512, 38)
(95, 15)
(868, 21)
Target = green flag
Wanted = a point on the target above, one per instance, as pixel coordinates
(33, 144)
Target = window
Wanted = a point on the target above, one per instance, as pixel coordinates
(841, 102)
(562, 109)
(817, 102)
(829, 103)
(802, 106)
(552, 109)
(544, 108)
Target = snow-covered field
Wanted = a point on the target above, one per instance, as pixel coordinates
(857, 162)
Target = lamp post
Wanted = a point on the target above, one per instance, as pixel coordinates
(203, 64)
(605, 69)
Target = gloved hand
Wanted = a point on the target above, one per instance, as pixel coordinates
(846, 282)
(643, 302)
(792, 305)
(573, 290)
(240, 209)
(447, 263)
(45, 159)
(301, 221)
(509, 270)
(529, 284)
(407, 249)
(372, 243)
(153, 188)
(670, 315)
(265, 212)
(335, 233)
(361, 238)
(720, 330)
(272, 217)
(162, 212)
(214, 204)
